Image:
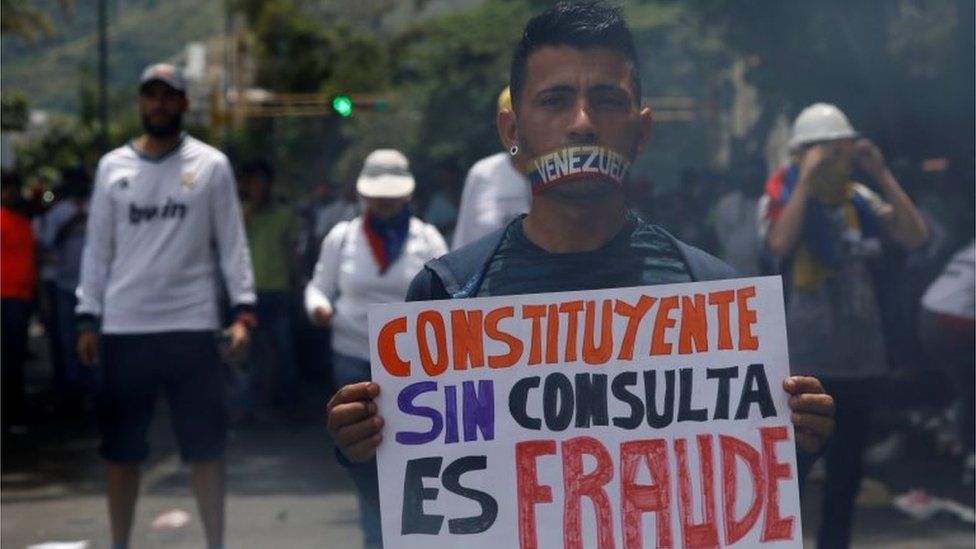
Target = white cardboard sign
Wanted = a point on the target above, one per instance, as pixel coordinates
(624, 418)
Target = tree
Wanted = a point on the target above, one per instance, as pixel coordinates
(21, 18)
(452, 69)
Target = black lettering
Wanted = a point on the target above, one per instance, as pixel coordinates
(413, 518)
(619, 388)
(755, 375)
(724, 377)
(655, 419)
(517, 400)
(489, 506)
(685, 411)
(591, 400)
(557, 401)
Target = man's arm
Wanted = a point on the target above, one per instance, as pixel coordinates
(227, 226)
(324, 285)
(785, 232)
(96, 259)
(906, 225)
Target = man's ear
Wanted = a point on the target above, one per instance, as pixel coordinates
(507, 128)
(646, 122)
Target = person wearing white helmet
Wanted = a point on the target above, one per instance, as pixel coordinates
(824, 230)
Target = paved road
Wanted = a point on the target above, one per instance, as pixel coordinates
(286, 491)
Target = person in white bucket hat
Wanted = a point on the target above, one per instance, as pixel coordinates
(825, 230)
(370, 259)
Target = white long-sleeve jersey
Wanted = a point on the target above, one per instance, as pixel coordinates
(159, 231)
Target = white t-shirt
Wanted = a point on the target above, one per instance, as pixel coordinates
(954, 292)
(494, 193)
(159, 231)
(347, 279)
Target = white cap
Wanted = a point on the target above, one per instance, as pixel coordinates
(168, 74)
(386, 174)
(820, 122)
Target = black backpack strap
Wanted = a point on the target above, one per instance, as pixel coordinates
(457, 274)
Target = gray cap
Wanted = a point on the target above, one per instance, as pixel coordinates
(168, 74)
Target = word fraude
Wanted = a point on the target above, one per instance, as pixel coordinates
(577, 162)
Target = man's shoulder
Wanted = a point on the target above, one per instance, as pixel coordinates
(456, 273)
(123, 153)
(489, 165)
(701, 265)
(196, 148)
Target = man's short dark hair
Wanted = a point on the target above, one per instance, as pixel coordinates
(578, 25)
(259, 168)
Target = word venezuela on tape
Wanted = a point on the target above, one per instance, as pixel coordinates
(630, 418)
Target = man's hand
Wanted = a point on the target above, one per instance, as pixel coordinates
(322, 317)
(87, 348)
(813, 412)
(240, 338)
(814, 159)
(353, 422)
(869, 158)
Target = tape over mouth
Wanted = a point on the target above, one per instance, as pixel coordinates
(576, 162)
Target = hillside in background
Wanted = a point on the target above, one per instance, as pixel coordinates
(50, 71)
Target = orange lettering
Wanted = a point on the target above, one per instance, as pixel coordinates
(386, 347)
(634, 314)
(694, 325)
(572, 310)
(663, 322)
(593, 354)
(747, 317)
(469, 344)
(722, 299)
(514, 344)
(535, 314)
(436, 322)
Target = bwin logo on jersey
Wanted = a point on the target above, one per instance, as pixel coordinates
(171, 210)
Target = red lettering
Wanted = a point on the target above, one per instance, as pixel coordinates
(637, 499)
(704, 534)
(530, 492)
(733, 448)
(774, 527)
(578, 485)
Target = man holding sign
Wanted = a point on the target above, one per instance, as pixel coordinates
(577, 117)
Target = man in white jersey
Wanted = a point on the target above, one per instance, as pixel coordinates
(164, 221)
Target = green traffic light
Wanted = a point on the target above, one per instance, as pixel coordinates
(342, 105)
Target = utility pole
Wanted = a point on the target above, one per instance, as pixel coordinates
(103, 76)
